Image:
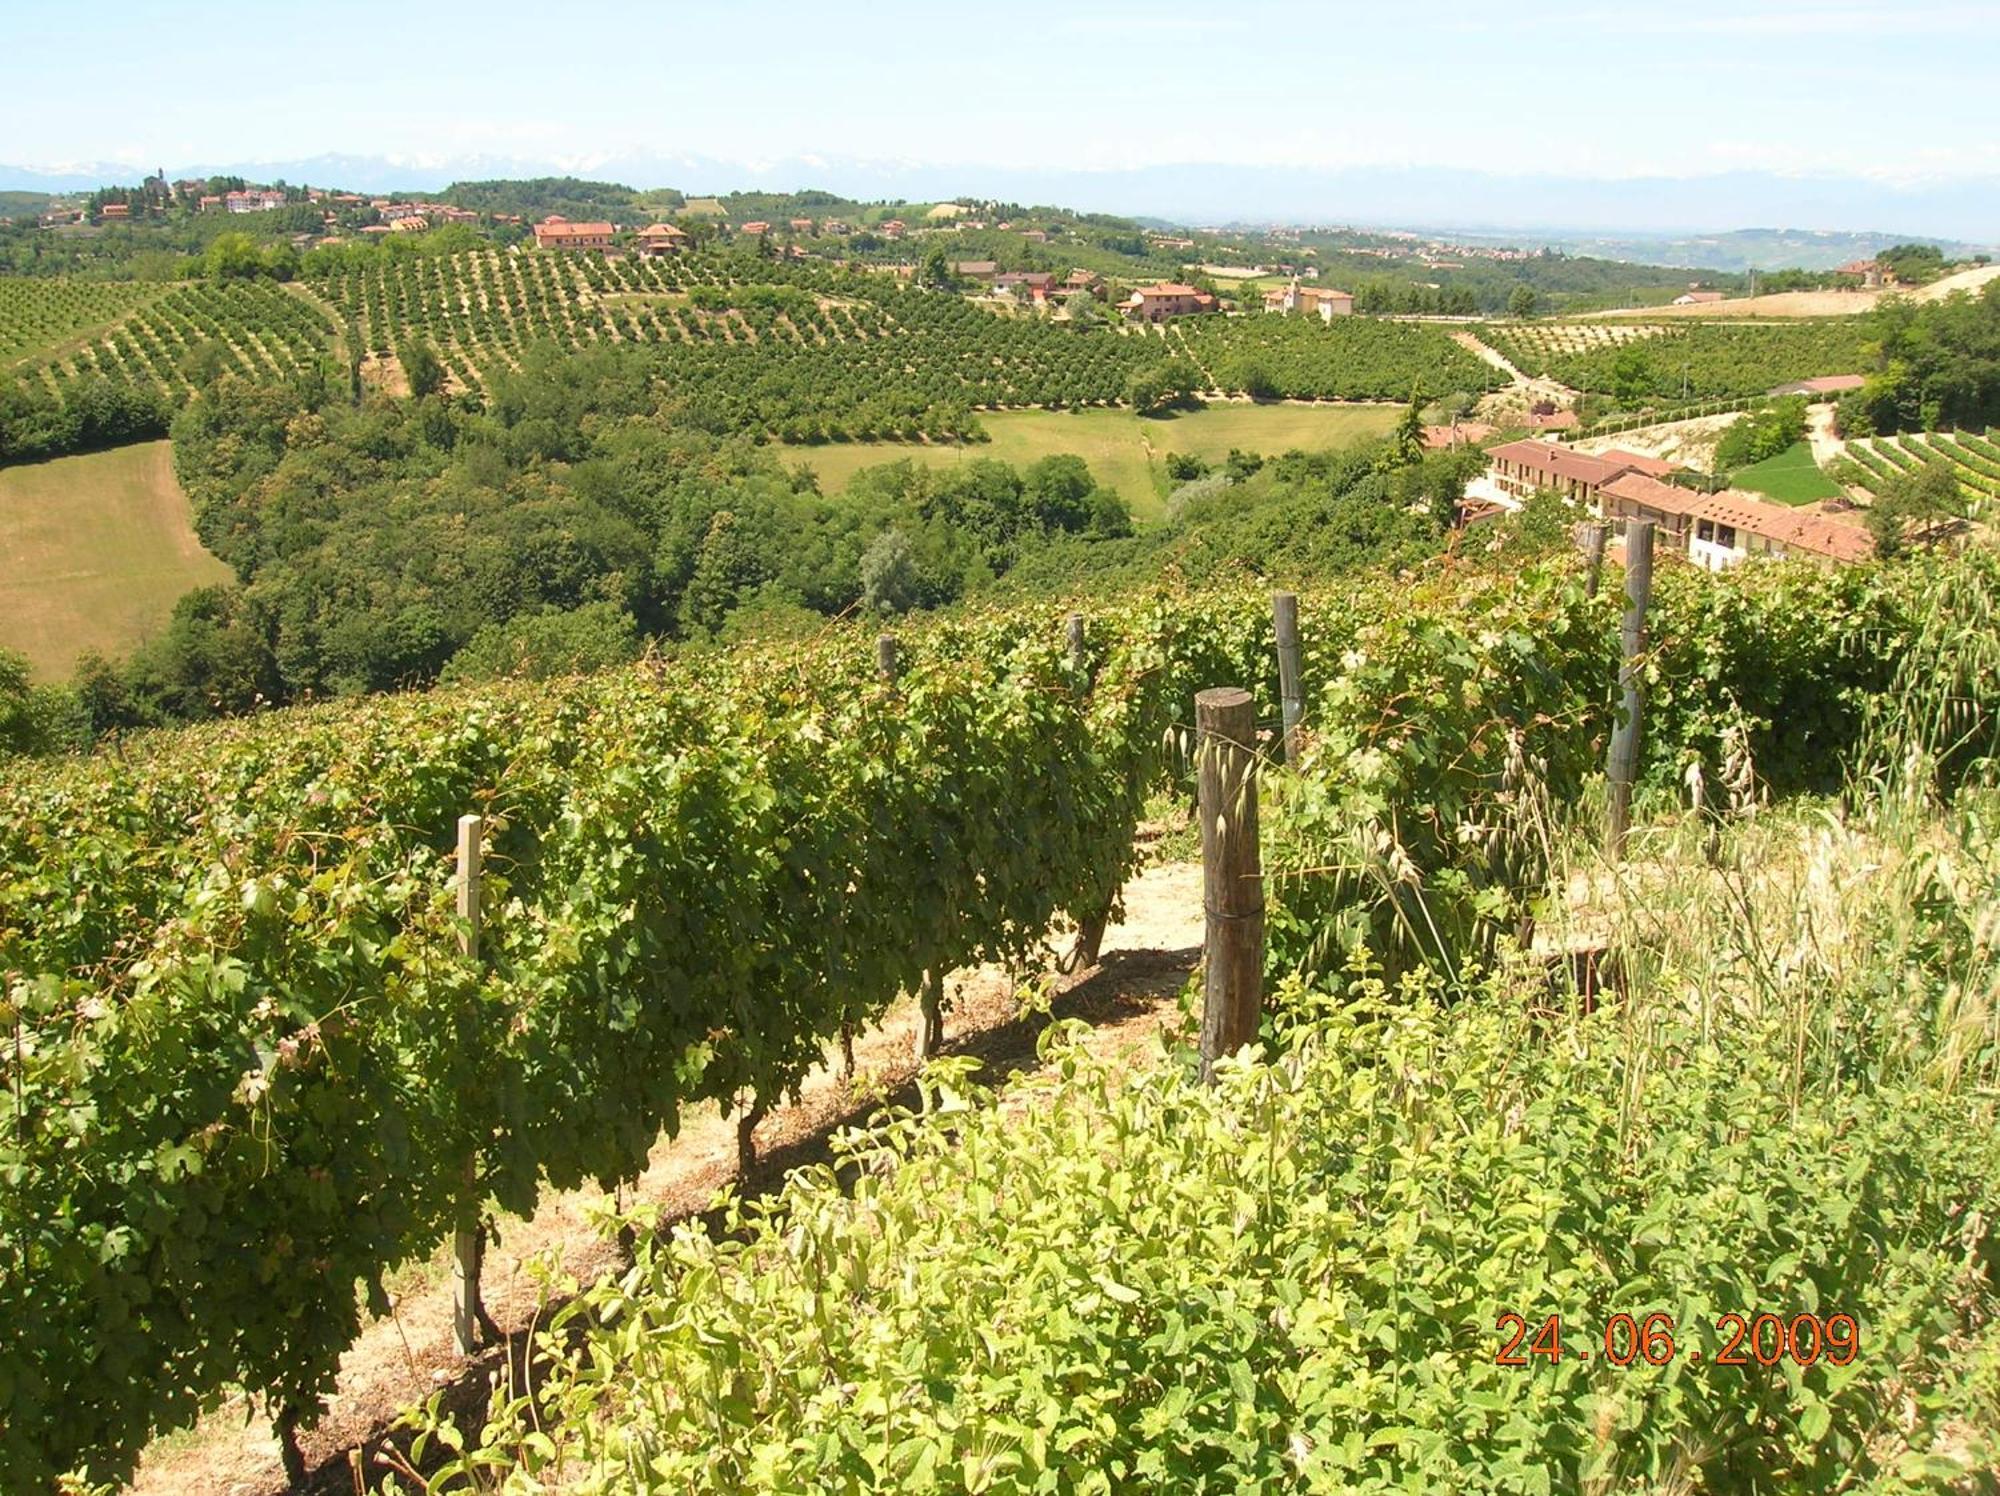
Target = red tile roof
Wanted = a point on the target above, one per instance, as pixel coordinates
(1797, 529)
(1552, 461)
(1464, 434)
(557, 229)
(1651, 493)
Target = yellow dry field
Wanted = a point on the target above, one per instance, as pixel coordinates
(1814, 303)
(94, 552)
(1124, 452)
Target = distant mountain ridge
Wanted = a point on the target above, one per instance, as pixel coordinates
(1696, 220)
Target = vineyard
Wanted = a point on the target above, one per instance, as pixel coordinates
(36, 315)
(790, 351)
(801, 355)
(1974, 460)
(1349, 358)
(1696, 363)
(249, 328)
(251, 1066)
(1535, 348)
(808, 353)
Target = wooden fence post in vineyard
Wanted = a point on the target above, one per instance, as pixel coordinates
(1623, 765)
(468, 1314)
(1594, 536)
(1232, 872)
(1291, 690)
(1090, 926)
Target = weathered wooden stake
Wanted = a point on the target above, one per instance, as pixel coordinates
(886, 663)
(1232, 872)
(1623, 765)
(469, 1240)
(1079, 661)
(1291, 690)
(1594, 536)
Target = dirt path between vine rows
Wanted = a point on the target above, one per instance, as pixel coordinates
(403, 1359)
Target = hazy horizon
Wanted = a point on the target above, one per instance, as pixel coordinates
(1790, 94)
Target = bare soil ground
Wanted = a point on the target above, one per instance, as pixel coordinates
(1690, 443)
(383, 373)
(1510, 406)
(1814, 303)
(1128, 998)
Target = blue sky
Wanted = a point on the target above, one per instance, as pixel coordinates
(1894, 91)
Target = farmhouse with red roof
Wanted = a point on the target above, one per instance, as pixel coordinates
(557, 232)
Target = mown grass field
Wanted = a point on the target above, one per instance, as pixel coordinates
(94, 551)
(1126, 452)
(1792, 477)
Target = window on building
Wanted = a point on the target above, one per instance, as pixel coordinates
(1726, 535)
(1703, 530)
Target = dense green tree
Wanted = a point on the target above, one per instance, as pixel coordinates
(1919, 502)
(723, 566)
(536, 646)
(424, 370)
(889, 574)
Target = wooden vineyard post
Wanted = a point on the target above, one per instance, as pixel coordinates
(1291, 690)
(1232, 872)
(1623, 765)
(1594, 535)
(1090, 926)
(468, 1314)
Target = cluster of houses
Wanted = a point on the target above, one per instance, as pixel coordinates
(1713, 530)
(1324, 303)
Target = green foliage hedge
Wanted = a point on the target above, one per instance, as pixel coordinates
(1292, 1281)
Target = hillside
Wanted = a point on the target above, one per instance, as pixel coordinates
(802, 351)
(1817, 303)
(322, 1059)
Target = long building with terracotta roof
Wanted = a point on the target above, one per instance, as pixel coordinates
(1711, 530)
(557, 232)
(1521, 469)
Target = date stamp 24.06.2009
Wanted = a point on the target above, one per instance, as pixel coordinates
(1757, 1339)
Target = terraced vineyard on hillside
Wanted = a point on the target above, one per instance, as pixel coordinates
(1701, 362)
(1974, 460)
(794, 351)
(252, 328)
(807, 352)
(1535, 347)
(38, 315)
